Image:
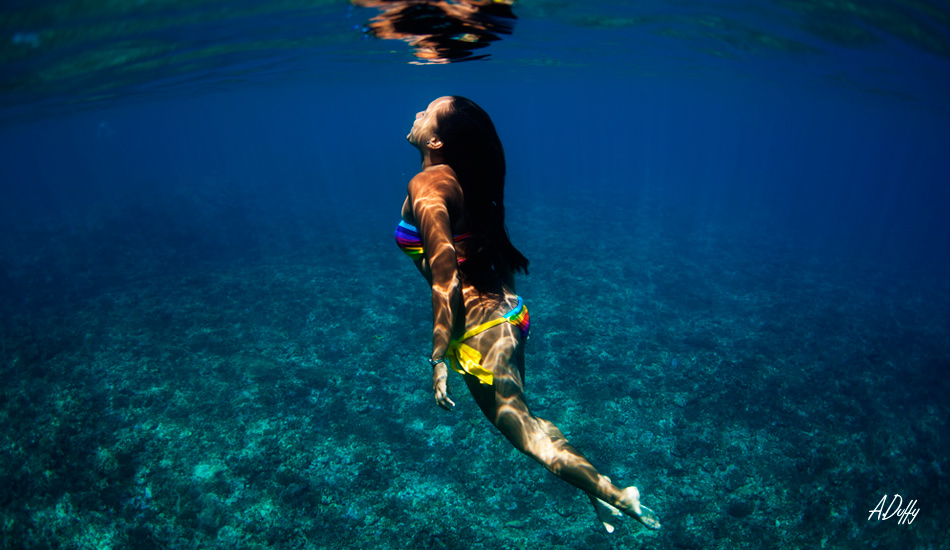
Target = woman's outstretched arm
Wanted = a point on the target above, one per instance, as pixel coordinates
(435, 196)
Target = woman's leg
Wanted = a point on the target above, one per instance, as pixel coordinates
(504, 404)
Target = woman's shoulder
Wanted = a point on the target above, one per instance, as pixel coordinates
(438, 174)
(439, 180)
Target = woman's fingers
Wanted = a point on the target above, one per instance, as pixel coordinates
(445, 403)
(442, 397)
(440, 387)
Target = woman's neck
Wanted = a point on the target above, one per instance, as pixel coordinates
(431, 158)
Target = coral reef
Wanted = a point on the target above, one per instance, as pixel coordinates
(758, 397)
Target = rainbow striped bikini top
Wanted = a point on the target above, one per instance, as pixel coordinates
(409, 240)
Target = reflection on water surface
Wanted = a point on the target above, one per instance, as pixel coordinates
(64, 53)
(442, 32)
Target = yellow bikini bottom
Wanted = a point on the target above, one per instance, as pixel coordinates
(467, 360)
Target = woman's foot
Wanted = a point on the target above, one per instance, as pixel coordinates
(607, 514)
(630, 505)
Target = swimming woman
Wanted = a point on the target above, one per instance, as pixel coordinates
(453, 227)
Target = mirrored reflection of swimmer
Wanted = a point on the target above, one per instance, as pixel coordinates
(441, 31)
(453, 227)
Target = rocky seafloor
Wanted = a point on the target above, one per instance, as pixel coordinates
(758, 396)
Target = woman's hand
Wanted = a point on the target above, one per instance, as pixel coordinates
(440, 386)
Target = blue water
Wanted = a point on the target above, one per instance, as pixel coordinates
(736, 217)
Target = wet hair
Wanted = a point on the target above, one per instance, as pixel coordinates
(472, 148)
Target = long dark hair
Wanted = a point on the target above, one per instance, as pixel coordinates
(472, 148)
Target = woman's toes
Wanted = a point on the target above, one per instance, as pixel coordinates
(632, 506)
(649, 518)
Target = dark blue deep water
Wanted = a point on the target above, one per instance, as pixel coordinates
(736, 214)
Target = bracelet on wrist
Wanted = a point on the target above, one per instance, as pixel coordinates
(434, 362)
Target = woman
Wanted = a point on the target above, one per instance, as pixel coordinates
(453, 227)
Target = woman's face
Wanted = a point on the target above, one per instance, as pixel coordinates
(424, 128)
